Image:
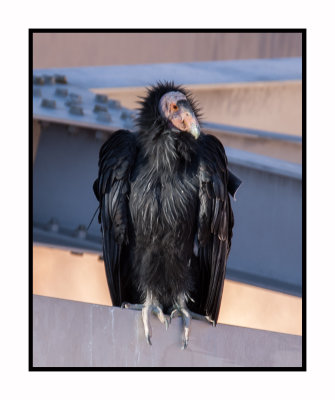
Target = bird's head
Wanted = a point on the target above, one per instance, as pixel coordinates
(177, 110)
(169, 107)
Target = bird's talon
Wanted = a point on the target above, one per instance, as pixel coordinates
(212, 322)
(174, 313)
(149, 340)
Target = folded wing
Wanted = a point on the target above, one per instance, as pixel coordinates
(215, 224)
(116, 160)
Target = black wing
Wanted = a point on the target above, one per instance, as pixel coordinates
(116, 159)
(215, 224)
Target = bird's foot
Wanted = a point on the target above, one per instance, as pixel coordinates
(176, 313)
(157, 310)
(147, 308)
(187, 316)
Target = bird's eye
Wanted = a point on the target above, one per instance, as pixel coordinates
(174, 107)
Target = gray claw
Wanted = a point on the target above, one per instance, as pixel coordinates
(149, 340)
(174, 313)
(158, 311)
(211, 321)
(150, 306)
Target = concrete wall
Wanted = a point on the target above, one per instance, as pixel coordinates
(72, 334)
(79, 49)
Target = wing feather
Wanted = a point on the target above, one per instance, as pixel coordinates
(116, 160)
(215, 223)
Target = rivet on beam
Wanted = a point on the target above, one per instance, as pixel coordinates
(47, 103)
(61, 92)
(38, 80)
(125, 115)
(114, 104)
(61, 79)
(81, 232)
(104, 116)
(53, 225)
(101, 98)
(74, 99)
(49, 79)
(98, 108)
(76, 110)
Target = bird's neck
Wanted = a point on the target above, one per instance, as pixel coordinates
(168, 152)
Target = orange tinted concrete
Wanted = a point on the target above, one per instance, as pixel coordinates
(58, 273)
(253, 307)
(269, 106)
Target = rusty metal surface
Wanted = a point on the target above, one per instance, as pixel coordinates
(74, 334)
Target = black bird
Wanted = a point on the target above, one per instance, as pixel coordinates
(165, 212)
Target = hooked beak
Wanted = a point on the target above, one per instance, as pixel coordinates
(188, 122)
(195, 130)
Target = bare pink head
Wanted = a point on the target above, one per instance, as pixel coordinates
(175, 107)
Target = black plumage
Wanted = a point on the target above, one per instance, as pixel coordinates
(165, 212)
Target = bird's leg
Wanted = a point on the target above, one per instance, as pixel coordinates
(151, 305)
(180, 309)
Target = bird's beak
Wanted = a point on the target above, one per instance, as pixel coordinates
(195, 130)
(190, 122)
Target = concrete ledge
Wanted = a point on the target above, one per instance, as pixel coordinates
(275, 145)
(263, 163)
(73, 334)
(193, 73)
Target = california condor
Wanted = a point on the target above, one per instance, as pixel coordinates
(165, 212)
